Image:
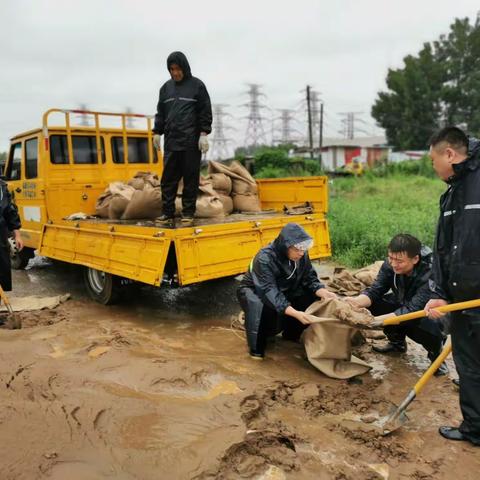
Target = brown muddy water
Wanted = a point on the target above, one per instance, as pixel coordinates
(160, 387)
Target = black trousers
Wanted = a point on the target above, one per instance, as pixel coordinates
(433, 344)
(465, 332)
(272, 323)
(178, 165)
(5, 266)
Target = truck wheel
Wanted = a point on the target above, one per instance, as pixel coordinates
(101, 286)
(19, 260)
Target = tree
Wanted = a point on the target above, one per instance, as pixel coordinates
(439, 86)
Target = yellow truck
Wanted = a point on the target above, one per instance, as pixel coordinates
(61, 169)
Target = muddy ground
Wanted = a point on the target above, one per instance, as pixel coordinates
(160, 387)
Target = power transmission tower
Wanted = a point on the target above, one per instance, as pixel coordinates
(219, 148)
(129, 121)
(84, 121)
(349, 126)
(286, 130)
(255, 133)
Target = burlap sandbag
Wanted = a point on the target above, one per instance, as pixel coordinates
(144, 204)
(102, 204)
(368, 274)
(343, 283)
(227, 203)
(221, 182)
(118, 204)
(122, 189)
(208, 206)
(144, 179)
(328, 342)
(246, 203)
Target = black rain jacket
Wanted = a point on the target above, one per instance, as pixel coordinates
(411, 292)
(272, 279)
(9, 221)
(456, 265)
(183, 109)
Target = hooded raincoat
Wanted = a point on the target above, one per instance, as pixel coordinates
(275, 281)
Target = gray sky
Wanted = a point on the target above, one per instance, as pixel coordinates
(111, 54)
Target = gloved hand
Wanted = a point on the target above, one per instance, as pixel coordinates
(156, 141)
(203, 144)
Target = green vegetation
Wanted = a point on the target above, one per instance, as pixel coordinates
(439, 86)
(365, 213)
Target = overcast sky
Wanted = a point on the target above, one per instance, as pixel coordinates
(110, 54)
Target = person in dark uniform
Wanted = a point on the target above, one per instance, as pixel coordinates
(456, 266)
(9, 224)
(184, 116)
(279, 285)
(402, 286)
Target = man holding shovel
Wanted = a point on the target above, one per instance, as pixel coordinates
(405, 274)
(9, 223)
(456, 266)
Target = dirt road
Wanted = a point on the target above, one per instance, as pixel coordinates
(161, 388)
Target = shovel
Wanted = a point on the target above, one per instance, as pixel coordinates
(452, 307)
(398, 416)
(13, 321)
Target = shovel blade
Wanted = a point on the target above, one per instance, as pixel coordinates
(395, 420)
(13, 322)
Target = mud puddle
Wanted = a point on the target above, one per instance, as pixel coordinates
(161, 387)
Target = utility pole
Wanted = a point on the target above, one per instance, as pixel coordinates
(310, 131)
(255, 132)
(320, 136)
(219, 148)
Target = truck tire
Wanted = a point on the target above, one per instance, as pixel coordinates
(102, 287)
(19, 260)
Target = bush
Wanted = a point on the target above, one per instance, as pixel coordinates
(272, 172)
(422, 167)
(365, 213)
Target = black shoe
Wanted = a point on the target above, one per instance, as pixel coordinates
(391, 348)
(456, 382)
(255, 355)
(453, 433)
(442, 370)
(186, 221)
(165, 221)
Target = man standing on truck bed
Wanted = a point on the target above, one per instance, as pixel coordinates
(184, 115)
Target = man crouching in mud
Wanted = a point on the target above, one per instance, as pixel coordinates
(279, 285)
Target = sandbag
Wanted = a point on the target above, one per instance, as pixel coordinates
(239, 169)
(205, 186)
(328, 340)
(368, 274)
(143, 180)
(118, 204)
(144, 204)
(121, 189)
(102, 204)
(208, 206)
(246, 203)
(221, 182)
(227, 203)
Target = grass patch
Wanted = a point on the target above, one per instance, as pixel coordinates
(366, 212)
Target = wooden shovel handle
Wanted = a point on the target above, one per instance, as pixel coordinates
(433, 367)
(452, 307)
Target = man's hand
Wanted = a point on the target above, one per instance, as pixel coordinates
(203, 143)
(302, 317)
(359, 301)
(18, 240)
(324, 294)
(430, 307)
(156, 141)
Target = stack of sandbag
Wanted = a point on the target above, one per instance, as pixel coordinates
(140, 198)
(244, 191)
(208, 203)
(222, 185)
(114, 200)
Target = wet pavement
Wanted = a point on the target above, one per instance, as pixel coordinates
(161, 386)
